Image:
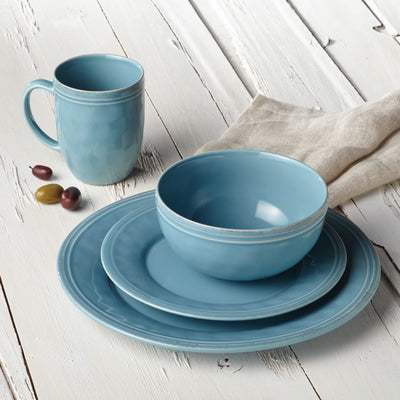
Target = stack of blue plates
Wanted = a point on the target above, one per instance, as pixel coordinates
(117, 267)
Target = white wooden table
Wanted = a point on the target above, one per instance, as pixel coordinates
(204, 61)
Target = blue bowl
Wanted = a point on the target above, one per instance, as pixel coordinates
(241, 214)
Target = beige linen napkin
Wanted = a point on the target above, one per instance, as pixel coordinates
(354, 151)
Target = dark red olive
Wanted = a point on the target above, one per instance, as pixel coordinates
(70, 198)
(42, 172)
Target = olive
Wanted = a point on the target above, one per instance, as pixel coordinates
(49, 194)
(42, 172)
(70, 198)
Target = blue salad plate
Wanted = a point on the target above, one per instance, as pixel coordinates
(84, 280)
(139, 261)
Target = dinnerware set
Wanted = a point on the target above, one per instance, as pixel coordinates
(234, 251)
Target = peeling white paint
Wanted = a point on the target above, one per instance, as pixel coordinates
(281, 362)
(181, 359)
(29, 14)
(21, 194)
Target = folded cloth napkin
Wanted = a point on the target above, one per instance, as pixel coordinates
(354, 151)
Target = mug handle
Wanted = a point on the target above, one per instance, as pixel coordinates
(26, 106)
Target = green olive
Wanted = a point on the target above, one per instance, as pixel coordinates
(49, 194)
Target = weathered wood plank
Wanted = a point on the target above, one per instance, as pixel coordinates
(14, 372)
(377, 214)
(356, 42)
(5, 393)
(276, 54)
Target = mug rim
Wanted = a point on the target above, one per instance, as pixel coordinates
(103, 55)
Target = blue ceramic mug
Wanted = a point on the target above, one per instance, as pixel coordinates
(99, 107)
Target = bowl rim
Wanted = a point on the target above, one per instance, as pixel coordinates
(246, 237)
(322, 209)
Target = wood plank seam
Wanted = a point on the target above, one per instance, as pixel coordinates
(383, 26)
(325, 48)
(391, 197)
(391, 288)
(30, 384)
(146, 92)
(165, 126)
(305, 373)
(358, 208)
(186, 53)
(112, 28)
(218, 42)
(394, 265)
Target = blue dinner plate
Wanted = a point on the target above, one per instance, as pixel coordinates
(139, 261)
(85, 282)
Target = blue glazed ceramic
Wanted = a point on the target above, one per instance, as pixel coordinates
(91, 291)
(139, 261)
(99, 107)
(241, 214)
